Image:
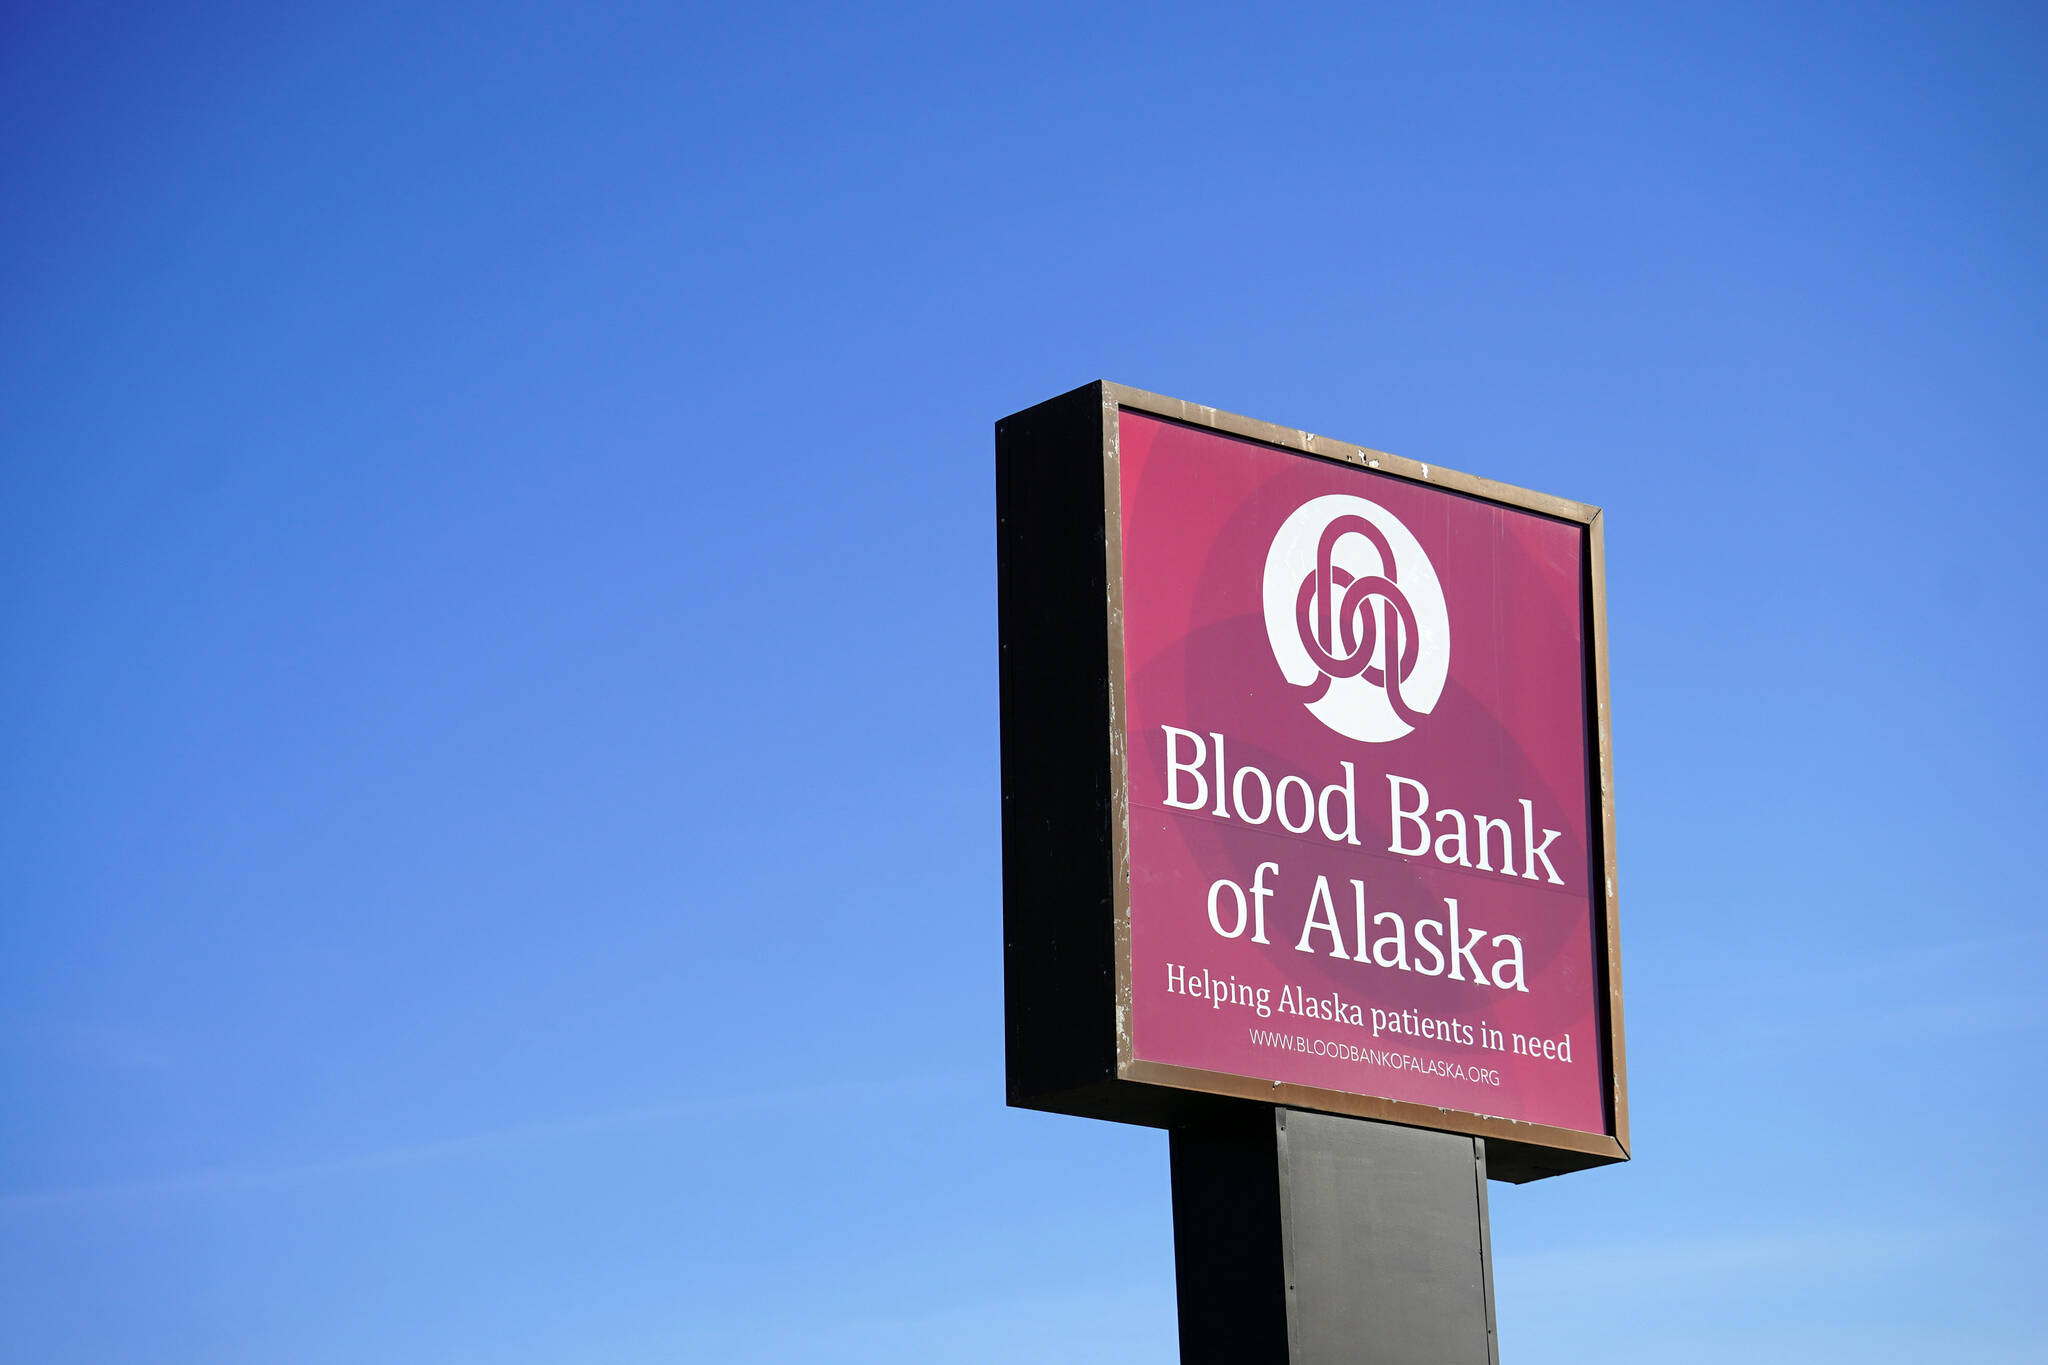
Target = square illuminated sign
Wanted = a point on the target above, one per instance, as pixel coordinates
(1305, 797)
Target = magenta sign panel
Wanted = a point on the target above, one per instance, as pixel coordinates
(1362, 832)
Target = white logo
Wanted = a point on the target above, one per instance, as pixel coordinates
(1356, 617)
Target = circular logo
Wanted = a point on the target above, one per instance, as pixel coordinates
(1356, 617)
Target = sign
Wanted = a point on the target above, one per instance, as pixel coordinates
(1305, 793)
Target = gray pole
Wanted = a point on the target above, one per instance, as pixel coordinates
(1314, 1240)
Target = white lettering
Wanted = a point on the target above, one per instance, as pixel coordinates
(1500, 968)
(1422, 944)
(1221, 768)
(1345, 790)
(1461, 953)
(1397, 815)
(1260, 894)
(1507, 843)
(1399, 939)
(1237, 894)
(1308, 805)
(1265, 795)
(1327, 922)
(1455, 832)
(1535, 849)
(1193, 768)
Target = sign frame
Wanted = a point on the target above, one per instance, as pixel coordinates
(1066, 790)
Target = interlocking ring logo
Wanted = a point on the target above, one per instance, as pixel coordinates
(1356, 617)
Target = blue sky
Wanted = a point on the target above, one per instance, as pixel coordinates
(498, 807)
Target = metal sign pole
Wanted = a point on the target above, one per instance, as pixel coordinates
(1319, 1240)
